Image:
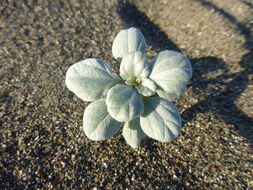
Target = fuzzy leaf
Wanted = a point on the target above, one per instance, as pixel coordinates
(147, 87)
(133, 133)
(97, 122)
(124, 103)
(90, 79)
(133, 66)
(160, 119)
(171, 71)
(127, 41)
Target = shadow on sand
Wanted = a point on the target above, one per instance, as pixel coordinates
(222, 102)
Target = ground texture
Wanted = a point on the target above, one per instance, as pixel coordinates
(42, 144)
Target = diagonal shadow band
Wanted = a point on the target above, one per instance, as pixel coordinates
(131, 16)
(248, 4)
(242, 28)
(222, 102)
(239, 82)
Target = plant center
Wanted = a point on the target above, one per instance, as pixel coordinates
(133, 82)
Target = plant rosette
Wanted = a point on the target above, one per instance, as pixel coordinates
(140, 97)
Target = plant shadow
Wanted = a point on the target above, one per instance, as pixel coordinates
(250, 5)
(221, 101)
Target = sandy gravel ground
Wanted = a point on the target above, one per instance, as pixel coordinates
(42, 144)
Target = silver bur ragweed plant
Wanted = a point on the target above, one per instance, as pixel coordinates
(140, 97)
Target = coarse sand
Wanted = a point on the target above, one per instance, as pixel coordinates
(42, 143)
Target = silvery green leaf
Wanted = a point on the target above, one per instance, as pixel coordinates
(145, 91)
(134, 67)
(133, 133)
(124, 103)
(160, 119)
(97, 122)
(90, 79)
(127, 41)
(177, 89)
(147, 87)
(171, 71)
